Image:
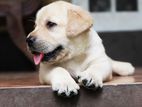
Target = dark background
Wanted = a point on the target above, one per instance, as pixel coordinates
(11, 58)
(124, 46)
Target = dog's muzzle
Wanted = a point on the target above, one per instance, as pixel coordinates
(30, 41)
(39, 54)
(38, 57)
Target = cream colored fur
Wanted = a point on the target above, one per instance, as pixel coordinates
(84, 55)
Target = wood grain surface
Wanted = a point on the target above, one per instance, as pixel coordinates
(22, 89)
(17, 79)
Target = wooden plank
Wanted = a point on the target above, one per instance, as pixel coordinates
(24, 90)
(110, 96)
(25, 78)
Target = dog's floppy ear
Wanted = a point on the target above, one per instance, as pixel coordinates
(78, 21)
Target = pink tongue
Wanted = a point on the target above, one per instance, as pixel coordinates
(38, 58)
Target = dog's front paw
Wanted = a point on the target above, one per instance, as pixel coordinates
(66, 88)
(90, 80)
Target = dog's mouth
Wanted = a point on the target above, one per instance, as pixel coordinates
(39, 56)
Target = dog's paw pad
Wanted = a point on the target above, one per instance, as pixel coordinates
(90, 82)
(78, 77)
(92, 86)
(72, 93)
(63, 94)
(67, 89)
(84, 82)
(67, 93)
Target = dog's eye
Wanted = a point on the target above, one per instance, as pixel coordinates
(50, 24)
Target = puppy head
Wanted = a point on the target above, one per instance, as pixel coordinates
(55, 26)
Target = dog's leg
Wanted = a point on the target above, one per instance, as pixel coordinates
(61, 82)
(122, 68)
(99, 67)
(96, 73)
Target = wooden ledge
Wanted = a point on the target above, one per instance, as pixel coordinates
(24, 90)
(110, 96)
(25, 78)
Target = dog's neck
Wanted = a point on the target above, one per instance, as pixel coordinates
(79, 44)
(84, 43)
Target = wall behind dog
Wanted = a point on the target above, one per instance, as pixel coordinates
(122, 44)
(11, 58)
(119, 25)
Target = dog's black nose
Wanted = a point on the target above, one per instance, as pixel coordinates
(30, 40)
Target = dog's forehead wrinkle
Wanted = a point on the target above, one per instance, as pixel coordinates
(48, 13)
(52, 38)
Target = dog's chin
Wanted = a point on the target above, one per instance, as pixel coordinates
(51, 57)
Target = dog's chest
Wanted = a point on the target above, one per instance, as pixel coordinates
(75, 65)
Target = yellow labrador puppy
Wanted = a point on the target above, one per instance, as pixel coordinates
(66, 46)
